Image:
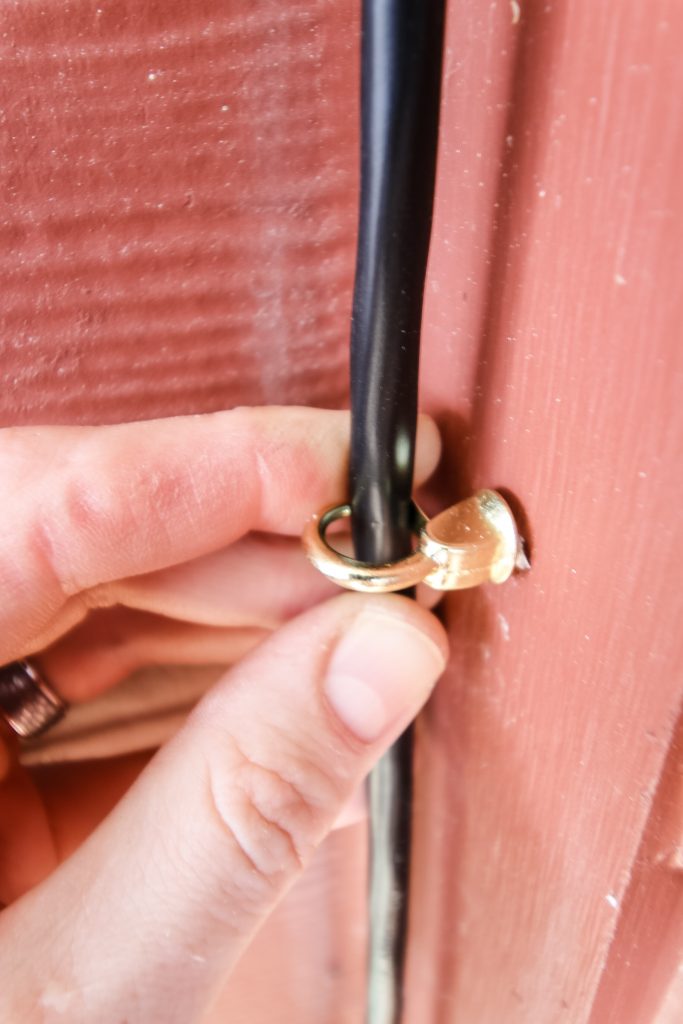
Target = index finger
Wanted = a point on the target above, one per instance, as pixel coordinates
(88, 505)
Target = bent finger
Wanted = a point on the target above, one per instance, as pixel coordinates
(223, 820)
(262, 580)
(93, 505)
(112, 644)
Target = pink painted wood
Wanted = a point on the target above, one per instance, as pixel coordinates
(179, 185)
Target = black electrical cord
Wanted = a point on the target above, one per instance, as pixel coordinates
(402, 44)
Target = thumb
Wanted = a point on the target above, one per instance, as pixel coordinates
(156, 906)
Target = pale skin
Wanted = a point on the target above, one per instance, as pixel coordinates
(130, 897)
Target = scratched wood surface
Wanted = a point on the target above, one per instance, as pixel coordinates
(178, 230)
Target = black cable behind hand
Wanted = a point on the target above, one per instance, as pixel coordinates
(400, 89)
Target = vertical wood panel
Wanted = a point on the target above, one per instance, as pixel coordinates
(642, 979)
(542, 750)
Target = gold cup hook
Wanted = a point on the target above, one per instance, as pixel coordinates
(473, 542)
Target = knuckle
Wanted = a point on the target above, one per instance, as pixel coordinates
(81, 519)
(272, 813)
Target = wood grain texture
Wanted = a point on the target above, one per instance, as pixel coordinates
(163, 254)
(642, 978)
(553, 351)
(178, 185)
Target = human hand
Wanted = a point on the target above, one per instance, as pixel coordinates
(163, 527)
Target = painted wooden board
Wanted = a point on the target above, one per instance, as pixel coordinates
(554, 352)
(179, 186)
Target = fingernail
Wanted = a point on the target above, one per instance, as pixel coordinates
(380, 673)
